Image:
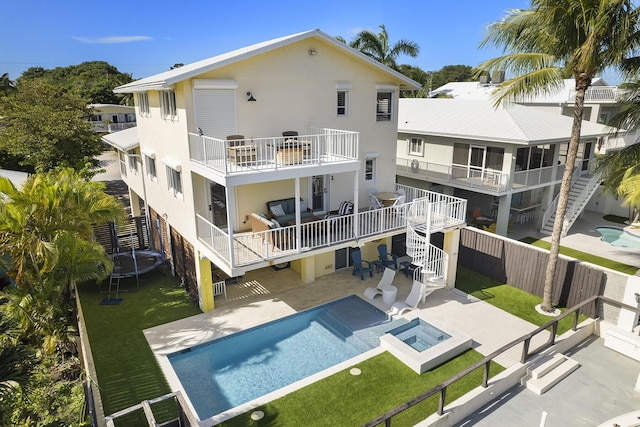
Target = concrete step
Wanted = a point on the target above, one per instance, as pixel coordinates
(550, 373)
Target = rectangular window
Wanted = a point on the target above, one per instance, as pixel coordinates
(416, 147)
(174, 182)
(342, 102)
(143, 104)
(151, 168)
(383, 106)
(168, 105)
(96, 118)
(369, 170)
(133, 163)
(123, 163)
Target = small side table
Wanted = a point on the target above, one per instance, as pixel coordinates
(379, 266)
(407, 268)
(389, 295)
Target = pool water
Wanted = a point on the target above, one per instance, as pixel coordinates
(236, 369)
(618, 237)
(419, 335)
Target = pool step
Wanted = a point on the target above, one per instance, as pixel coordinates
(543, 376)
(333, 324)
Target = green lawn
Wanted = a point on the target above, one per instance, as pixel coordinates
(593, 259)
(346, 400)
(508, 298)
(127, 371)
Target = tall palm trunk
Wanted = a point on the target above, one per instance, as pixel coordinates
(582, 83)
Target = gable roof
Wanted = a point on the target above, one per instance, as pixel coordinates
(123, 140)
(164, 80)
(480, 120)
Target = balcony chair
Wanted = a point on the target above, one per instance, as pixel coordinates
(239, 152)
(358, 265)
(386, 259)
(383, 284)
(345, 208)
(374, 203)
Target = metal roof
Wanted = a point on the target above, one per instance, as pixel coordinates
(166, 79)
(123, 140)
(480, 120)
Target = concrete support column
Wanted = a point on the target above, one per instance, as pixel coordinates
(205, 283)
(451, 247)
(308, 269)
(502, 221)
(134, 202)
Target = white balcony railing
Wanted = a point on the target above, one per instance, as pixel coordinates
(111, 127)
(259, 154)
(256, 247)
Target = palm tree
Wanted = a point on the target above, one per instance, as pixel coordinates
(377, 47)
(549, 41)
(621, 176)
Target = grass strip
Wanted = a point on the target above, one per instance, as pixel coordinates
(508, 298)
(126, 368)
(385, 383)
(583, 256)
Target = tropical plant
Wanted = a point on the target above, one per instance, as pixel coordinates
(377, 47)
(621, 176)
(550, 41)
(7, 86)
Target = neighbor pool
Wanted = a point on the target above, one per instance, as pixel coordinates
(618, 237)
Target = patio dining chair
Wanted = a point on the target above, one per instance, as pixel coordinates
(374, 202)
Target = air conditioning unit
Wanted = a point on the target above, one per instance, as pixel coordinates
(484, 80)
(498, 77)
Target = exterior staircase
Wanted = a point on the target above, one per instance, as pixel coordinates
(550, 371)
(432, 260)
(582, 189)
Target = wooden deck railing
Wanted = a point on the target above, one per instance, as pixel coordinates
(441, 388)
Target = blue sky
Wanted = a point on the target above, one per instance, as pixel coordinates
(147, 37)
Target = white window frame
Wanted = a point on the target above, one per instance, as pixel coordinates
(123, 163)
(369, 170)
(174, 182)
(415, 147)
(132, 161)
(95, 118)
(382, 114)
(143, 104)
(342, 110)
(168, 110)
(152, 173)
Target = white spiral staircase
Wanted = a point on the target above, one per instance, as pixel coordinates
(423, 218)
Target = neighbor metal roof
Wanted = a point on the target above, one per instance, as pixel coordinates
(480, 120)
(168, 78)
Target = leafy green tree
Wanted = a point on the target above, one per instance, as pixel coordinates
(417, 74)
(377, 47)
(452, 73)
(544, 44)
(46, 127)
(92, 81)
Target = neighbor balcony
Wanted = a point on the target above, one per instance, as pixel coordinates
(228, 157)
(471, 178)
(246, 249)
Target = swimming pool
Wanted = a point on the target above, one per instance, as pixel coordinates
(618, 237)
(236, 369)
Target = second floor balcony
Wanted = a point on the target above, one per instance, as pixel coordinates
(320, 146)
(245, 251)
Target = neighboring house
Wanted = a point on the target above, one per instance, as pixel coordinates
(112, 118)
(600, 103)
(507, 162)
(287, 129)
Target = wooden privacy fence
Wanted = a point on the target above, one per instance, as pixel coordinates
(523, 266)
(120, 238)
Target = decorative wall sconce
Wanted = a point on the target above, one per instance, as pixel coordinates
(312, 51)
(251, 98)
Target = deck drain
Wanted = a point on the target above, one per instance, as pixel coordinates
(257, 415)
(355, 371)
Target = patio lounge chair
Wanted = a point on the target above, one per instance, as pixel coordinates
(384, 283)
(411, 303)
(358, 265)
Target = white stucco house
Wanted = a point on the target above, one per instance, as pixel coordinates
(112, 117)
(267, 155)
(507, 161)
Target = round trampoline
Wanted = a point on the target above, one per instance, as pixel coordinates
(133, 263)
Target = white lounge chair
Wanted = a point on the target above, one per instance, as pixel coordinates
(411, 303)
(384, 283)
